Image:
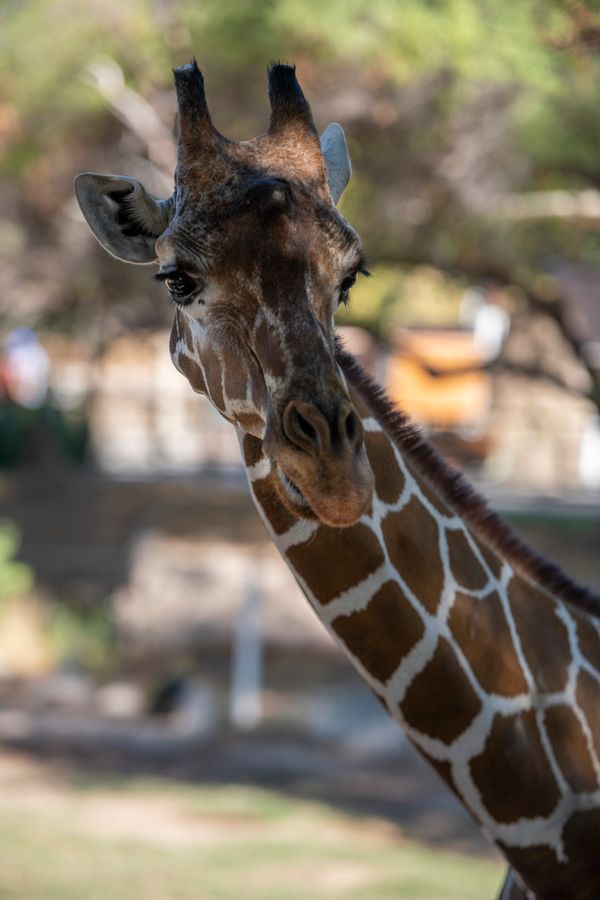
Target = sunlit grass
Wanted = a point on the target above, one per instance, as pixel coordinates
(159, 841)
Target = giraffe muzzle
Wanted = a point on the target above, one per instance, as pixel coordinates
(322, 461)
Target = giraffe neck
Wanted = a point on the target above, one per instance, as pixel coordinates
(493, 678)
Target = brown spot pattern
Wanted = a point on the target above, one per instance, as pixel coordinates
(544, 638)
(513, 775)
(336, 559)
(193, 373)
(482, 632)
(213, 371)
(491, 557)
(589, 640)
(381, 635)
(436, 501)
(269, 351)
(586, 695)
(389, 479)
(266, 495)
(539, 870)
(236, 380)
(576, 879)
(466, 568)
(252, 450)
(570, 748)
(249, 421)
(456, 492)
(440, 702)
(359, 405)
(580, 836)
(412, 540)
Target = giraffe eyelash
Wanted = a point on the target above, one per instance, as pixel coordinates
(349, 281)
(168, 273)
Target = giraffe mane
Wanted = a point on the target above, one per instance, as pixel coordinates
(460, 495)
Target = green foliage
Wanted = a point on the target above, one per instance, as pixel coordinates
(71, 430)
(402, 297)
(372, 300)
(47, 45)
(72, 635)
(15, 422)
(83, 637)
(446, 102)
(405, 42)
(45, 48)
(16, 578)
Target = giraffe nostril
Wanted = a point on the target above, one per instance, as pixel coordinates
(307, 428)
(351, 428)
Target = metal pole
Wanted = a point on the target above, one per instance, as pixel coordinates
(247, 655)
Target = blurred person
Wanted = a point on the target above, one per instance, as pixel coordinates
(25, 369)
(589, 455)
(490, 322)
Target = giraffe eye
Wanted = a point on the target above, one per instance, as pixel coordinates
(180, 286)
(345, 286)
(348, 282)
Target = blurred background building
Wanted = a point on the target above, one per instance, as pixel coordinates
(140, 601)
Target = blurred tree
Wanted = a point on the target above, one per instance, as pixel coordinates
(16, 578)
(449, 107)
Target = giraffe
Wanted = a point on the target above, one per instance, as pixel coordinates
(486, 655)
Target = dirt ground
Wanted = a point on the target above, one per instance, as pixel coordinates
(66, 834)
(394, 786)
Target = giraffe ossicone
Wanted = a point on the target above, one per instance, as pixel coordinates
(488, 656)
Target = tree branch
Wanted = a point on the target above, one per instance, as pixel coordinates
(107, 77)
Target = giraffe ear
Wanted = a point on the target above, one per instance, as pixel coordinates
(337, 159)
(124, 218)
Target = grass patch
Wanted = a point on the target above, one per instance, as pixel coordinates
(160, 841)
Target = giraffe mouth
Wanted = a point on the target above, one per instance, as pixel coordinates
(338, 507)
(323, 472)
(292, 492)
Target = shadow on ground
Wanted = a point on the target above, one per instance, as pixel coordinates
(399, 787)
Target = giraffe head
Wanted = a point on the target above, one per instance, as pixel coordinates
(256, 259)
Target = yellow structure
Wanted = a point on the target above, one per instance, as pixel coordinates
(441, 401)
